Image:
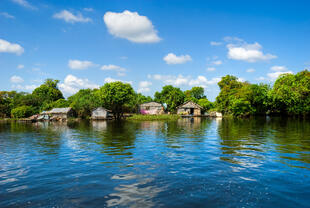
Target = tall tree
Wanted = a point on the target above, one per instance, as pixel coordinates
(115, 96)
(170, 95)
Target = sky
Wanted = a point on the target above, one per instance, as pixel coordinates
(150, 43)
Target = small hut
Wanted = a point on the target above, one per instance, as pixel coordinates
(151, 108)
(100, 114)
(189, 108)
(61, 113)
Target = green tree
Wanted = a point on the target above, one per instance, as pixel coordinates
(116, 96)
(205, 104)
(291, 94)
(170, 95)
(48, 92)
(83, 102)
(22, 112)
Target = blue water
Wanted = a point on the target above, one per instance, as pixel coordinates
(262, 162)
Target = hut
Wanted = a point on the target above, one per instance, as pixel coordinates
(60, 113)
(189, 108)
(100, 114)
(151, 108)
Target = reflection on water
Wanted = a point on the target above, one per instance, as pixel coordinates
(259, 162)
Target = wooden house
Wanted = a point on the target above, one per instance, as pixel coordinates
(151, 108)
(61, 113)
(100, 114)
(189, 108)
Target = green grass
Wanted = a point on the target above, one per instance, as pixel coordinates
(165, 117)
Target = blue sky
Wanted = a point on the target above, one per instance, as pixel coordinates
(85, 44)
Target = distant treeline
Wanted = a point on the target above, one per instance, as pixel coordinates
(290, 95)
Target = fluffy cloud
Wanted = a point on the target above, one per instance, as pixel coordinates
(24, 3)
(70, 17)
(181, 80)
(211, 69)
(72, 84)
(16, 79)
(248, 52)
(217, 62)
(77, 64)
(20, 66)
(278, 68)
(144, 86)
(275, 75)
(120, 70)
(131, 26)
(213, 43)
(109, 79)
(25, 87)
(7, 15)
(250, 70)
(7, 47)
(171, 58)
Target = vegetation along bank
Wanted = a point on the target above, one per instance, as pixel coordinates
(289, 95)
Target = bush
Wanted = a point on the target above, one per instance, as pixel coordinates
(22, 112)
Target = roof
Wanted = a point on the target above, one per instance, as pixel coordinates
(152, 103)
(101, 108)
(60, 110)
(189, 104)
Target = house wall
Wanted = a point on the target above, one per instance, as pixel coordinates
(187, 111)
(60, 115)
(99, 114)
(151, 110)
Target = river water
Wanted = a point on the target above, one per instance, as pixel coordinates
(261, 162)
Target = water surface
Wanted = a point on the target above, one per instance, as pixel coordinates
(262, 162)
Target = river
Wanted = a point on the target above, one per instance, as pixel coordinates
(259, 162)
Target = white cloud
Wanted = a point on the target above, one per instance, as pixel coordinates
(112, 67)
(260, 78)
(211, 69)
(217, 62)
(7, 47)
(275, 75)
(25, 87)
(73, 84)
(109, 79)
(131, 26)
(7, 15)
(278, 68)
(181, 80)
(250, 70)
(20, 66)
(16, 79)
(144, 86)
(202, 81)
(248, 52)
(171, 58)
(77, 64)
(24, 3)
(70, 17)
(214, 43)
(120, 70)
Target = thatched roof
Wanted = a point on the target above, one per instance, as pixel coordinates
(60, 110)
(189, 104)
(151, 104)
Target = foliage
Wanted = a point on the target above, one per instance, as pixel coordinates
(22, 112)
(291, 94)
(170, 95)
(47, 92)
(116, 96)
(83, 102)
(164, 117)
(205, 104)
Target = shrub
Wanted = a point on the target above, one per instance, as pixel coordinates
(22, 112)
